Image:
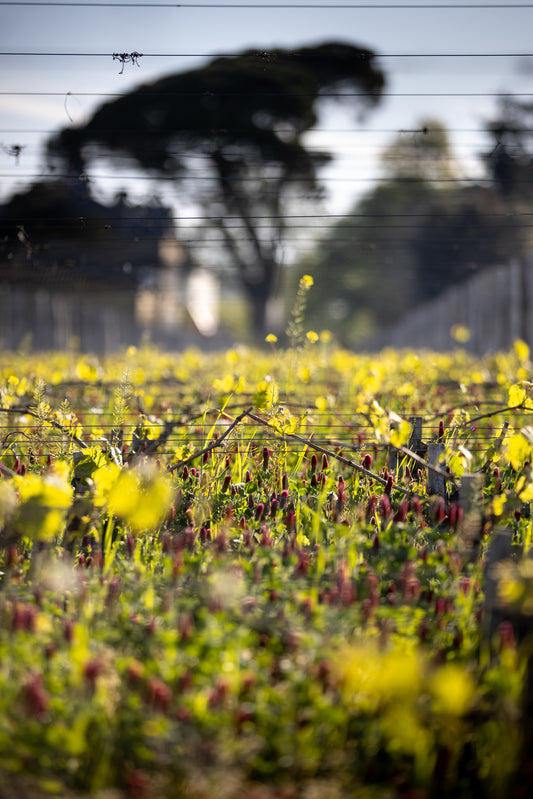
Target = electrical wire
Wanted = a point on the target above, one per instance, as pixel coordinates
(328, 131)
(229, 217)
(279, 6)
(336, 95)
(255, 180)
(262, 55)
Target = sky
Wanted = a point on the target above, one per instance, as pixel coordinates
(471, 55)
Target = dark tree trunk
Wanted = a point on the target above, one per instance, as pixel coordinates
(259, 292)
(258, 299)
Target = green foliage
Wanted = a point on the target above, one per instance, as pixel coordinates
(295, 328)
(120, 409)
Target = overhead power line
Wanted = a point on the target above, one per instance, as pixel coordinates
(244, 179)
(113, 226)
(306, 6)
(179, 218)
(267, 94)
(134, 238)
(421, 131)
(264, 54)
(255, 217)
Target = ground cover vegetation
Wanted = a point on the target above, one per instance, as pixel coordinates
(227, 574)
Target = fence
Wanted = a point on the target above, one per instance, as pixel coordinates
(47, 319)
(96, 320)
(496, 306)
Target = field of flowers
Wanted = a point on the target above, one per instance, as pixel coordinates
(244, 574)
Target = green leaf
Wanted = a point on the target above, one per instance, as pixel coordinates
(88, 461)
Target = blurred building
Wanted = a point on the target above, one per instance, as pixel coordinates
(75, 272)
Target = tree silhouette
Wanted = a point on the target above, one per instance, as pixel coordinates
(243, 119)
(414, 234)
(510, 160)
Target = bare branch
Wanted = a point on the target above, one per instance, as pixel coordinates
(216, 443)
(52, 422)
(311, 444)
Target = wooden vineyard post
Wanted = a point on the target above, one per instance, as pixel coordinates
(471, 503)
(392, 460)
(436, 482)
(499, 551)
(415, 445)
(415, 442)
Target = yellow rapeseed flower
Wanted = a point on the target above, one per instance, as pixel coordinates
(43, 504)
(140, 497)
(460, 333)
(453, 690)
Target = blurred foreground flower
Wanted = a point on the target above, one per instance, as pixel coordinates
(141, 497)
(43, 503)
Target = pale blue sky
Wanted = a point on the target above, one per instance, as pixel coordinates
(222, 30)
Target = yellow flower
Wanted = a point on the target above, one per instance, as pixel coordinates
(266, 394)
(453, 690)
(104, 479)
(373, 678)
(122, 498)
(224, 385)
(43, 504)
(8, 502)
(306, 281)
(510, 589)
(140, 497)
(518, 450)
(521, 350)
(311, 336)
(271, 338)
(460, 333)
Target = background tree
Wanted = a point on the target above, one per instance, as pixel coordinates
(424, 154)
(245, 117)
(417, 232)
(510, 158)
(363, 268)
(463, 231)
(509, 162)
